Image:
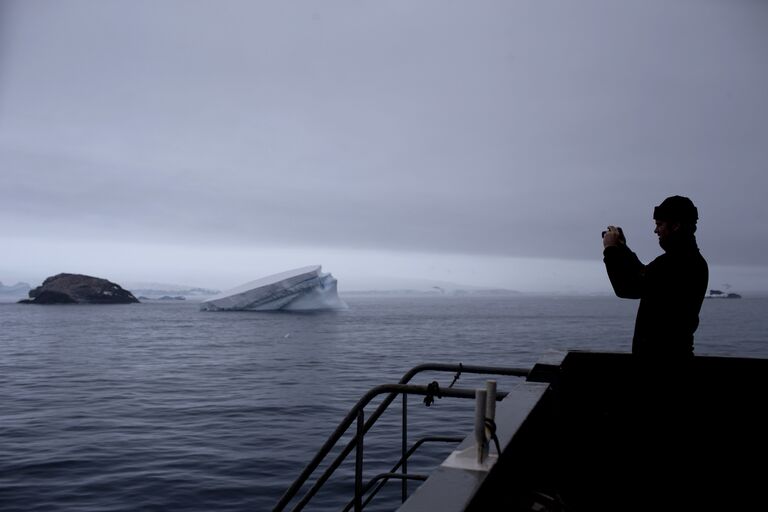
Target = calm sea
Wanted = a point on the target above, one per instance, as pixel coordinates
(159, 406)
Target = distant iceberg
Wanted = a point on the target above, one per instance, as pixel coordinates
(301, 289)
(719, 294)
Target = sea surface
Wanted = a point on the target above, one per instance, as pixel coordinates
(160, 406)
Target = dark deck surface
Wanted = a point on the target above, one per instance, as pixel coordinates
(609, 433)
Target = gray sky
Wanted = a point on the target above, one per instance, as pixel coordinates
(481, 142)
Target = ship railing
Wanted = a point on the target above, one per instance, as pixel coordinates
(380, 480)
(357, 415)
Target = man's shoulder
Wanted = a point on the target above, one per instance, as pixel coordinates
(679, 262)
(661, 259)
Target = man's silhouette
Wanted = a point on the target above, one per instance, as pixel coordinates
(671, 288)
(654, 422)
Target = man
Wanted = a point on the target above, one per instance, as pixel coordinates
(671, 288)
(655, 424)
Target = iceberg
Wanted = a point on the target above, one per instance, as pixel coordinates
(301, 289)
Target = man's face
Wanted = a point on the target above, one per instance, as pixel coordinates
(665, 230)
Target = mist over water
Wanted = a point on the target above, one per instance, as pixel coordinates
(163, 407)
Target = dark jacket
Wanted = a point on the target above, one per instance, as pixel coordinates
(671, 290)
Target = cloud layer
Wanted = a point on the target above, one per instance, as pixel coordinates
(498, 129)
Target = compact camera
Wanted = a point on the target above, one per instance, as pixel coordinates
(621, 235)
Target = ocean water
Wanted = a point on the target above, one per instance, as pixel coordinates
(159, 406)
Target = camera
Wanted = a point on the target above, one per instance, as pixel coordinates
(621, 235)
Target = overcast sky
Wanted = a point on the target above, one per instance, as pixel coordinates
(481, 142)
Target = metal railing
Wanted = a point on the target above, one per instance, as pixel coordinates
(381, 479)
(363, 426)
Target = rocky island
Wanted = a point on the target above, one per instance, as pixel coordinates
(78, 289)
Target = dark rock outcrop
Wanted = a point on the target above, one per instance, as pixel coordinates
(79, 289)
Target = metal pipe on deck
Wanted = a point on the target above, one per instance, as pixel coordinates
(481, 396)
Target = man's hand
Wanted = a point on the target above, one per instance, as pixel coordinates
(614, 236)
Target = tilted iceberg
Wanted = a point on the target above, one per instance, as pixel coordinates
(302, 289)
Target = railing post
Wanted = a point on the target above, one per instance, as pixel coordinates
(404, 449)
(490, 404)
(359, 461)
(480, 401)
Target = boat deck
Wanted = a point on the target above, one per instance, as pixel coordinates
(597, 431)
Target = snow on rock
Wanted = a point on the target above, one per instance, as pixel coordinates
(301, 289)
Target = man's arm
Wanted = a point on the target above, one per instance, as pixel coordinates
(625, 270)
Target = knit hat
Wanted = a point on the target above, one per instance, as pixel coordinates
(676, 208)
